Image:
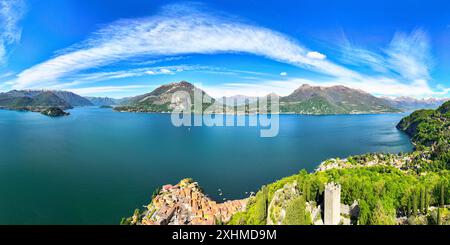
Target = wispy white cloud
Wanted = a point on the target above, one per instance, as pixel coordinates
(6, 75)
(402, 68)
(11, 12)
(280, 87)
(155, 61)
(409, 55)
(378, 86)
(361, 57)
(316, 55)
(176, 31)
(110, 89)
(84, 79)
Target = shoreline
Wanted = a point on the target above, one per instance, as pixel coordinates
(234, 114)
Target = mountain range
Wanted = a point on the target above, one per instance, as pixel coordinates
(306, 99)
(47, 102)
(103, 101)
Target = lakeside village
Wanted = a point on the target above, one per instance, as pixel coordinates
(186, 204)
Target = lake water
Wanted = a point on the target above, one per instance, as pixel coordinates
(96, 166)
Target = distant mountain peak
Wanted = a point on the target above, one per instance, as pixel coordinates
(411, 103)
(160, 99)
(180, 84)
(42, 97)
(273, 95)
(338, 99)
(305, 85)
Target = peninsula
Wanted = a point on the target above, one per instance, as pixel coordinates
(48, 102)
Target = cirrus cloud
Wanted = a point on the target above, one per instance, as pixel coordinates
(11, 12)
(316, 55)
(402, 68)
(175, 31)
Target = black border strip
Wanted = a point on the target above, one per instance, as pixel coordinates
(347, 234)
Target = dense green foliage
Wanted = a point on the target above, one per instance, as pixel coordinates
(257, 211)
(295, 212)
(54, 112)
(130, 220)
(383, 192)
(430, 132)
(380, 191)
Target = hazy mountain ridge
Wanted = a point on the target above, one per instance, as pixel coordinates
(237, 100)
(72, 98)
(104, 101)
(66, 100)
(307, 99)
(409, 103)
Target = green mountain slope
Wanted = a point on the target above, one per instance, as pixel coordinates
(332, 100)
(72, 98)
(44, 98)
(21, 99)
(160, 99)
(313, 105)
(46, 102)
(13, 102)
(49, 99)
(430, 132)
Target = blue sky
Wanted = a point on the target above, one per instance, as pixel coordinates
(123, 48)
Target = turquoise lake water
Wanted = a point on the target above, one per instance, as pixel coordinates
(96, 166)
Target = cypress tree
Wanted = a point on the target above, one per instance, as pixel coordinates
(442, 195)
(422, 200)
(427, 201)
(414, 203)
(307, 190)
(308, 196)
(318, 196)
(439, 216)
(409, 207)
(304, 189)
(260, 215)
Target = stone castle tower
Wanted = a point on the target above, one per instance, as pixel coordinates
(332, 209)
